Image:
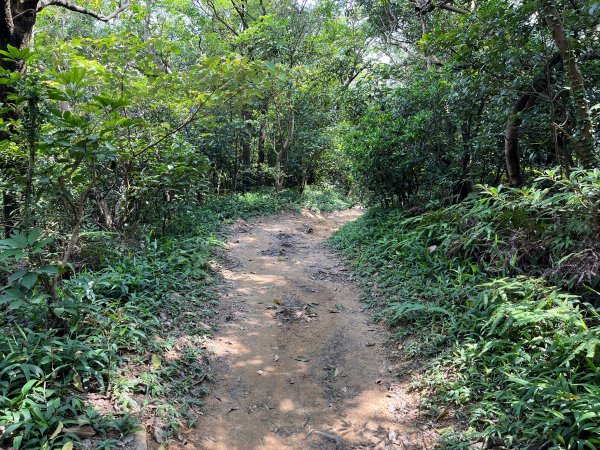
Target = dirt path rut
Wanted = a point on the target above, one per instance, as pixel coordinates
(297, 363)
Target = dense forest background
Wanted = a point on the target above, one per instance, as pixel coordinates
(132, 131)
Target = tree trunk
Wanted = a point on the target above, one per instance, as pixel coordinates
(278, 171)
(586, 148)
(262, 136)
(285, 149)
(16, 27)
(511, 139)
(523, 103)
(246, 151)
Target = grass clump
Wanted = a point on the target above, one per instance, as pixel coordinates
(117, 323)
(482, 291)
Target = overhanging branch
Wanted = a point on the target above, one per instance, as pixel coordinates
(452, 8)
(426, 6)
(80, 9)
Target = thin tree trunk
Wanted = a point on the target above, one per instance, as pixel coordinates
(511, 136)
(246, 152)
(586, 148)
(32, 136)
(285, 149)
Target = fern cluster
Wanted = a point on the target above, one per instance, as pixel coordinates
(472, 287)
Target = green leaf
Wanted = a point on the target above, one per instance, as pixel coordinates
(16, 304)
(17, 442)
(13, 252)
(57, 431)
(17, 275)
(114, 103)
(48, 270)
(27, 387)
(14, 54)
(28, 281)
(34, 235)
(11, 295)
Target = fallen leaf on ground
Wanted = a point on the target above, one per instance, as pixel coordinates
(83, 431)
(159, 435)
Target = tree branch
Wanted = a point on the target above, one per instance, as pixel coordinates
(80, 9)
(426, 6)
(453, 9)
(215, 15)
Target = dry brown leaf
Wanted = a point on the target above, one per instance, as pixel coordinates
(81, 431)
(159, 435)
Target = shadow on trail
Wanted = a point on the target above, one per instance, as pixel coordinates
(297, 363)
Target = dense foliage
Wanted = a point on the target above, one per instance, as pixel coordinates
(478, 95)
(474, 286)
(130, 131)
(498, 285)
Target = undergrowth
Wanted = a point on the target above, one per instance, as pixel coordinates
(227, 208)
(119, 346)
(496, 294)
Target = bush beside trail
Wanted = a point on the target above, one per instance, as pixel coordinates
(495, 293)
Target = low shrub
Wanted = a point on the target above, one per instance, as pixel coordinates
(472, 287)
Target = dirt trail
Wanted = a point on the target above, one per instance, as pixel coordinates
(297, 363)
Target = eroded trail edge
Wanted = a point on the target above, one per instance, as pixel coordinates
(297, 364)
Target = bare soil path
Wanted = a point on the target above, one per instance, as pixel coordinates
(297, 364)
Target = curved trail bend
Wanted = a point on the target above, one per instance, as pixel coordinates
(297, 364)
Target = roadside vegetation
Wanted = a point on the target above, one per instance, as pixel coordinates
(498, 295)
(121, 345)
(478, 152)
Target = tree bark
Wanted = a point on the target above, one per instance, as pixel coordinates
(285, 149)
(586, 148)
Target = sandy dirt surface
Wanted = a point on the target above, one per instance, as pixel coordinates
(297, 363)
